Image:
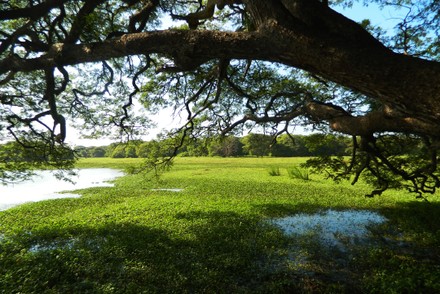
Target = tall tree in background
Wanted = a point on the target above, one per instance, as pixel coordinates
(226, 147)
(257, 144)
(227, 64)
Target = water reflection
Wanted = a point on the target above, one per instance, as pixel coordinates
(45, 186)
(330, 226)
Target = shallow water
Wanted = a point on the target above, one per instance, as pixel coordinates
(331, 226)
(168, 190)
(45, 186)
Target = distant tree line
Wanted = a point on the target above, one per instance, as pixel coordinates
(231, 146)
(250, 145)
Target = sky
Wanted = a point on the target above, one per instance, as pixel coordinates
(387, 19)
(163, 120)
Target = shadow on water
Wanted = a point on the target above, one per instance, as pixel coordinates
(218, 251)
(398, 250)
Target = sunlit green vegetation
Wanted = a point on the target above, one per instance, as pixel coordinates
(252, 144)
(214, 236)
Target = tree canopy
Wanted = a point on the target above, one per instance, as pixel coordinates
(228, 65)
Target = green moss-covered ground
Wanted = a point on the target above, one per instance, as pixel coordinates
(214, 236)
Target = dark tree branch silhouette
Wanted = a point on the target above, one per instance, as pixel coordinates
(219, 66)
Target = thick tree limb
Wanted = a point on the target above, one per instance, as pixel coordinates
(188, 48)
(325, 43)
(80, 20)
(31, 12)
(377, 121)
(142, 16)
(193, 19)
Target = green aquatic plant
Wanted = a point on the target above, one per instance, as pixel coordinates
(298, 173)
(274, 171)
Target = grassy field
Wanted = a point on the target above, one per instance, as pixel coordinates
(215, 236)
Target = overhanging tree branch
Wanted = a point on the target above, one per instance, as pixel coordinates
(373, 122)
(34, 12)
(347, 64)
(398, 93)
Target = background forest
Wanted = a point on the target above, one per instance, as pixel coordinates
(250, 145)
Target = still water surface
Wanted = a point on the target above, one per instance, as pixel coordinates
(331, 226)
(45, 186)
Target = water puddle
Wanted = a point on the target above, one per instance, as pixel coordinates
(36, 248)
(168, 190)
(68, 244)
(73, 243)
(331, 227)
(44, 186)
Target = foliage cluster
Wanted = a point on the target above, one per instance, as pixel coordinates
(231, 146)
(402, 157)
(17, 161)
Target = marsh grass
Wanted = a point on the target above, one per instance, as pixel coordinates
(274, 171)
(297, 172)
(214, 236)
